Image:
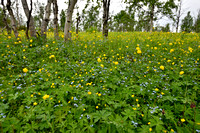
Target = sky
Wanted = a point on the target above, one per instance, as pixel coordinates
(117, 5)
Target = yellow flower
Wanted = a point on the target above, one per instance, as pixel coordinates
(32, 95)
(134, 108)
(181, 72)
(99, 60)
(51, 56)
(137, 100)
(150, 129)
(139, 51)
(102, 65)
(149, 123)
(116, 63)
(45, 97)
(162, 67)
(97, 107)
(83, 109)
(182, 120)
(47, 46)
(142, 115)
(171, 50)
(156, 89)
(25, 70)
(89, 93)
(132, 95)
(172, 130)
(31, 41)
(35, 103)
(162, 93)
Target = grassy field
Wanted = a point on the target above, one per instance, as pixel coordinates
(130, 82)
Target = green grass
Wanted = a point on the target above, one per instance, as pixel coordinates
(93, 84)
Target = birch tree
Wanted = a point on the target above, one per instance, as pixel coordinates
(29, 18)
(46, 18)
(13, 20)
(106, 5)
(5, 18)
(31, 23)
(179, 13)
(55, 20)
(68, 22)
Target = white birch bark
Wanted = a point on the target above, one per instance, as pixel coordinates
(31, 24)
(55, 20)
(67, 29)
(13, 20)
(45, 21)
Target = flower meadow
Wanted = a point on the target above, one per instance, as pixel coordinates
(130, 82)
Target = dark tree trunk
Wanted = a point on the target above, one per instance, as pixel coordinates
(106, 5)
(151, 17)
(78, 19)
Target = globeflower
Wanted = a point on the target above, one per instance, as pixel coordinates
(25, 70)
(139, 51)
(181, 72)
(45, 97)
(99, 60)
(51, 56)
(162, 67)
(182, 120)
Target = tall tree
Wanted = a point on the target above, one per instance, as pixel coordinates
(62, 19)
(5, 21)
(13, 20)
(31, 24)
(178, 14)
(29, 18)
(68, 22)
(197, 23)
(90, 17)
(46, 18)
(187, 23)
(38, 13)
(55, 20)
(155, 8)
(78, 19)
(17, 13)
(106, 6)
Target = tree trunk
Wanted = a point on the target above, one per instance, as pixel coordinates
(13, 21)
(5, 18)
(151, 17)
(45, 21)
(17, 13)
(106, 5)
(29, 18)
(67, 29)
(31, 24)
(55, 20)
(178, 16)
(78, 19)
